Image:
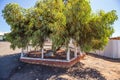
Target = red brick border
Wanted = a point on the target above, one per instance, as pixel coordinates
(54, 63)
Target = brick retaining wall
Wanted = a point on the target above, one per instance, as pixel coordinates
(53, 63)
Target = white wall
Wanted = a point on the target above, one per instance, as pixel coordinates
(1, 37)
(111, 50)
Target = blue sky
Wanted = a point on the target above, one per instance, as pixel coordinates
(108, 5)
(96, 5)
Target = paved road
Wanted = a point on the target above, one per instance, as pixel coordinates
(8, 64)
(9, 60)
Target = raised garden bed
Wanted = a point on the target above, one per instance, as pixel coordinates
(59, 59)
(63, 64)
(58, 55)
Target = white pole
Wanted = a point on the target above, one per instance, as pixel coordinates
(42, 53)
(68, 54)
(75, 53)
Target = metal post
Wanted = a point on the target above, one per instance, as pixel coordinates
(68, 54)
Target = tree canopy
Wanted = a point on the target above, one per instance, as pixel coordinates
(59, 21)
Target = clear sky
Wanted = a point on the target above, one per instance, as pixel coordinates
(96, 5)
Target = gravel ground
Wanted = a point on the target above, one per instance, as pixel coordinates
(91, 68)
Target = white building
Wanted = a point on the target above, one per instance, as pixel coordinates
(1, 36)
(111, 50)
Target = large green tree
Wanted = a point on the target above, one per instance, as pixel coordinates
(60, 21)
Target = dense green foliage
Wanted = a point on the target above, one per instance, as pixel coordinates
(15, 17)
(59, 21)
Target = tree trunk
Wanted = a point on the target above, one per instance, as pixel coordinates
(42, 53)
(58, 48)
(75, 53)
(27, 48)
(22, 51)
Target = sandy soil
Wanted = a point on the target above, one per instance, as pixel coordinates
(108, 67)
(91, 68)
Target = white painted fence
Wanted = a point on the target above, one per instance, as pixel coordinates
(112, 50)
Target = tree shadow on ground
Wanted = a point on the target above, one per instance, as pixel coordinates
(40, 72)
(12, 69)
(82, 72)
